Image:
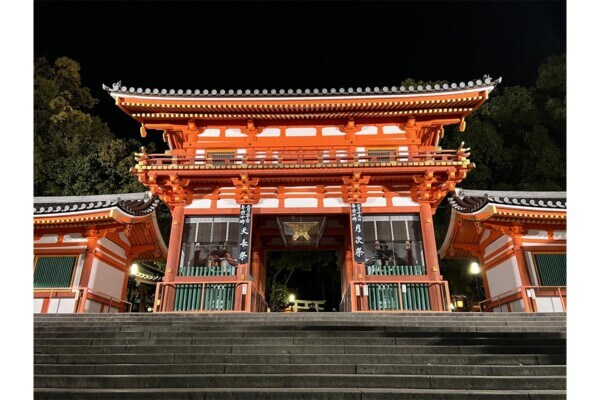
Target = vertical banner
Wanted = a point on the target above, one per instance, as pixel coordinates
(244, 236)
(357, 233)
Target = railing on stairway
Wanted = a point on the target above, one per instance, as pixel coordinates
(81, 295)
(398, 296)
(202, 296)
(529, 295)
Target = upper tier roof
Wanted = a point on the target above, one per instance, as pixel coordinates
(134, 204)
(394, 91)
(469, 201)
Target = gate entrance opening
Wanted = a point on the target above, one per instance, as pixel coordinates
(304, 281)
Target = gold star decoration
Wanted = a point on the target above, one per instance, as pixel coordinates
(300, 229)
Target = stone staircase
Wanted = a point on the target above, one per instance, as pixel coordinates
(300, 356)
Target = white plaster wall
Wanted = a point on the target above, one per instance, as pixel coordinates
(367, 130)
(392, 129)
(267, 203)
(106, 279)
(61, 306)
(78, 269)
(270, 132)
(92, 306)
(234, 133)
(517, 306)
(227, 203)
(375, 202)
(531, 268)
(75, 237)
(37, 305)
(549, 304)
(300, 202)
(124, 238)
(536, 234)
(334, 202)
(112, 246)
(301, 132)
(332, 131)
(504, 277)
(486, 234)
(560, 235)
(496, 244)
(210, 132)
(199, 203)
(399, 201)
(47, 239)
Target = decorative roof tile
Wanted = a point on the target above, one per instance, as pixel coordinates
(116, 88)
(469, 201)
(134, 204)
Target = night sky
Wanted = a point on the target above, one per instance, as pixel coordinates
(267, 45)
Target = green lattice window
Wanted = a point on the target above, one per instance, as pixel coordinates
(53, 272)
(551, 269)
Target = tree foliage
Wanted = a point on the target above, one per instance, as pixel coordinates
(518, 142)
(75, 153)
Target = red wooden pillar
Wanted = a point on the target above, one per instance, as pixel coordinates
(431, 256)
(173, 256)
(86, 271)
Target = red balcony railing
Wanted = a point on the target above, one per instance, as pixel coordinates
(315, 157)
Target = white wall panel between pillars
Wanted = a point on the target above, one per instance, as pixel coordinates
(334, 202)
(78, 270)
(375, 202)
(199, 203)
(37, 305)
(106, 279)
(496, 244)
(112, 246)
(300, 203)
(267, 203)
(549, 304)
(92, 306)
(504, 277)
(403, 201)
(47, 239)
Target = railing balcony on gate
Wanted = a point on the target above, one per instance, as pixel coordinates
(400, 296)
(316, 157)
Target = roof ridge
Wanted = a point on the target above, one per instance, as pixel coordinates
(485, 81)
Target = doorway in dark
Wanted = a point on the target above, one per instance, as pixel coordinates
(309, 275)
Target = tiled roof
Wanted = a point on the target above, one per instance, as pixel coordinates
(484, 82)
(468, 201)
(135, 204)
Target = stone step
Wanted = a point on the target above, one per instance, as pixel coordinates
(304, 381)
(237, 328)
(299, 349)
(290, 340)
(303, 333)
(326, 369)
(387, 358)
(273, 317)
(294, 394)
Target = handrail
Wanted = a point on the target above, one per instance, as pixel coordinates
(260, 305)
(320, 156)
(505, 297)
(346, 303)
(80, 294)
